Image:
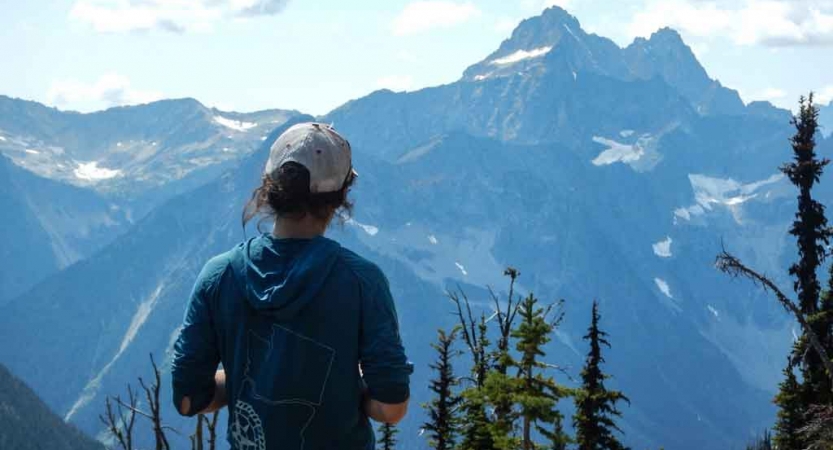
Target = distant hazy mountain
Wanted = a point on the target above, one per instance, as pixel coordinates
(88, 176)
(129, 150)
(600, 172)
(28, 424)
(47, 226)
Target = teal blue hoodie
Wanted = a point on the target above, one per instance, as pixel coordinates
(291, 320)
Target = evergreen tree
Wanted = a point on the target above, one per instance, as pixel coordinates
(790, 416)
(595, 404)
(559, 438)
(812, 235)
(388, 439)
(536, 393)
(499, 386)
(443, 421)
(476, 428)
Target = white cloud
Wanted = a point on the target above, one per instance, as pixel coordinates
(769, 94)
(824, 95)
(396, 83)
(406, 56)
(532, 5)
(506, 24)
(562, 3)
(421, 16)
(117, 16)
(746, 22)
(110, 89)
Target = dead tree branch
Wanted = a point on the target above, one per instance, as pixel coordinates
(731, 265)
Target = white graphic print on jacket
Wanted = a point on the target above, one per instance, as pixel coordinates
(285, 377)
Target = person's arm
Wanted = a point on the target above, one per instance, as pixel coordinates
(384, 412)
(196, 354)
(385, 369)
(219, 400)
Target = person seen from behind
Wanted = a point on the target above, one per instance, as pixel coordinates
(306, 330)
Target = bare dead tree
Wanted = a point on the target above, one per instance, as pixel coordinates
(211, 425)
(196, 438)
(152, 394)
(505, 319)
(731, 265)
(120, 420)
(473, 334)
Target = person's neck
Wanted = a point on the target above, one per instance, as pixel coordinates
(307, 227)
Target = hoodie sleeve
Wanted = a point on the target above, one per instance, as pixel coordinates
(196, 355)
(385, 367)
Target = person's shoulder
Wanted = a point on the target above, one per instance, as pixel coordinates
(217, 266)
(366, 271)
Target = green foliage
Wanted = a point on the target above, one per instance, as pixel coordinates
(595, 404)
(536, 394)
(818, 433)
(813, 236)
(387, 439)
(790, 416)
(443, 421)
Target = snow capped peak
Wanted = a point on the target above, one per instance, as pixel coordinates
(238, 125)
(521, 55)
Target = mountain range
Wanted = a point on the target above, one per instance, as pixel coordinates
(600, 172)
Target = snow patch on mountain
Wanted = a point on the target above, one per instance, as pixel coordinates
(462, 268)
(2, 139)
(713, 311)
(642, 155)
(91, 172)
(521, 55)
(710, 192)
(238, 125)
(369, 229)
(663, 286)
(663, 248)
(32, 151)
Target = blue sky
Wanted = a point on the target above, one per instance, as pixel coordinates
(315, 55)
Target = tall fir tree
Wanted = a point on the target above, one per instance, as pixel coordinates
(596, 410)
(387, 439)
(812, 235)
(790, 415)
(536, 393)
(443, 421)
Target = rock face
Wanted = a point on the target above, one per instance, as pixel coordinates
(600, 172)
(26, 423)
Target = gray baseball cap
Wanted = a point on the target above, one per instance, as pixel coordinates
(316, 146)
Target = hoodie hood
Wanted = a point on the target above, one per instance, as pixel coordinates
(282, 276)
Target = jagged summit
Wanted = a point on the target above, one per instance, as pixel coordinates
(530, 42)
